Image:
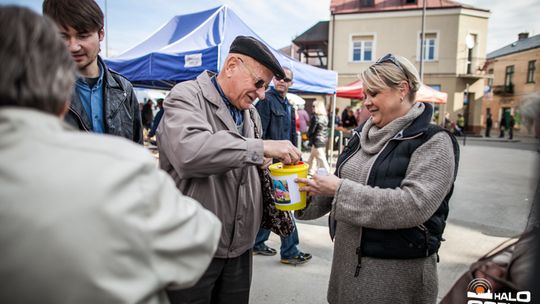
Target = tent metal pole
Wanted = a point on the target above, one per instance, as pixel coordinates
(333, 117)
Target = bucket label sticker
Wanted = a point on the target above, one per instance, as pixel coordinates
(285, 189)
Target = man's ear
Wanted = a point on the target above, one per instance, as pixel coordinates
(101, 34)
(64, 109)
(230, 64)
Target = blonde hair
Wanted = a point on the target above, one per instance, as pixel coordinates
(388, 74)
(318, 108)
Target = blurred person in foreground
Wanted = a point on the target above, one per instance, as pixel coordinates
(83, 218)
(103, 101)
(318, 137)
(388, 201)
(530, 113)
(207, 143)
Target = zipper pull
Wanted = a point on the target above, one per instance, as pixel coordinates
(357, 272)
(359, 265)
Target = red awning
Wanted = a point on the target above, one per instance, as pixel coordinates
(429, 94)
(352, 90)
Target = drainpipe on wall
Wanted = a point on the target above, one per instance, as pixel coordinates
(422, 38)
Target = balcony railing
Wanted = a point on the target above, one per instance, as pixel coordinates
(504, 90)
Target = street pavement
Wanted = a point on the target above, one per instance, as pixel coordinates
(492, 201)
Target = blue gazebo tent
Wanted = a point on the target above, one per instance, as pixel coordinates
(189, 44)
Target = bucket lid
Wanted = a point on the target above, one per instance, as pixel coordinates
(297, 165)
(292, 168)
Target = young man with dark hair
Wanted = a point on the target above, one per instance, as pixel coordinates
(104, 101)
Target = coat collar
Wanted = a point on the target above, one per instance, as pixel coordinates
(275, 94)
(421, 122)
(110, 81)
(211, 94)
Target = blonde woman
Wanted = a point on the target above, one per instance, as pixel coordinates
(389, 201)
(318, 136)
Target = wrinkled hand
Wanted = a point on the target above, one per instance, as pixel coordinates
(325, 185)
(283, 150)
(266, 163)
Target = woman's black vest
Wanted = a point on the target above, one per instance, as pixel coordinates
(388, 170)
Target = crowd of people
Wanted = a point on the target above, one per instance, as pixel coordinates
(87, 217)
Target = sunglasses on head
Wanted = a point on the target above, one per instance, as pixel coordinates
(391, 58)
(260, 82)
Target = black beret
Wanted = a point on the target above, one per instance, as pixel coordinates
(255, 49)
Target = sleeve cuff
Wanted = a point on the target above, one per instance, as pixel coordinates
(255, 151)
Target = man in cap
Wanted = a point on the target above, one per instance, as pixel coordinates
(103, 100)
(206, 143)
(119, 233)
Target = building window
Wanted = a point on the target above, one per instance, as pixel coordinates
(410, 1)
(362, 48)
(367, 3)
(530, 71)
(430, 46)
(508, 84)
(490, 80)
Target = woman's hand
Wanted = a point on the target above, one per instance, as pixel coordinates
(325, 185)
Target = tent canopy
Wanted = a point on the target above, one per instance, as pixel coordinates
(354, 90)
(429, 94)
(189, 44)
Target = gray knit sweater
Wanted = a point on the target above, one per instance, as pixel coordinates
(356, 205)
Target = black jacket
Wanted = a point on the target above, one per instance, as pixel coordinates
(318, 131)
(388, 170)
(121, 110)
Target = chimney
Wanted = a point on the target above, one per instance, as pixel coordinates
(523, 35)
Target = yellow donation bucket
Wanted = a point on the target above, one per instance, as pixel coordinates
(286, 192)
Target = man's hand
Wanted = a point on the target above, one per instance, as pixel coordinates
(267, 162)
(283, 150)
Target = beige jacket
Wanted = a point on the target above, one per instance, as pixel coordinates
(210, 161)
(88, 218)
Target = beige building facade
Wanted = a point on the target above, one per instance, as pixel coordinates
(455, 48)
(516, 74)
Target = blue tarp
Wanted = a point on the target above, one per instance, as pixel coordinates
(189, 44)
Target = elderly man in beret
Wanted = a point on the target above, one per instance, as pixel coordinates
(207, 144)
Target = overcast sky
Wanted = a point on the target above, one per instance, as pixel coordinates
(279, 21)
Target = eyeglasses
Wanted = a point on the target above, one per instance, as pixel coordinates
(260, 82)
(391, 58)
